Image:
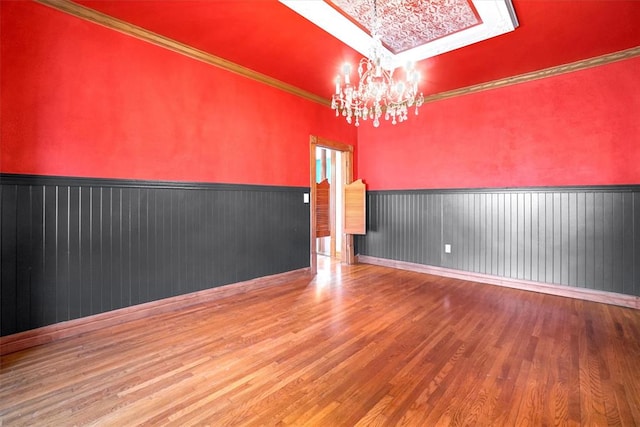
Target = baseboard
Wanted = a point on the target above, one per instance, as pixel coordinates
(545, 288)
(58, 331)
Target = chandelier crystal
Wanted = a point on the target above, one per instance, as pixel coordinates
(376, 93)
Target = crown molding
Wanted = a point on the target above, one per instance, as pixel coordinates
(88, 14)
(124, 27)
(540, 74)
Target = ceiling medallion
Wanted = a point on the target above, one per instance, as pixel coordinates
(376, 93)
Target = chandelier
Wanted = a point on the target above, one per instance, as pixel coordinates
(376, 93)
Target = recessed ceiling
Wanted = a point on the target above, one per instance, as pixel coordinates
(408, 24)
(410, 30)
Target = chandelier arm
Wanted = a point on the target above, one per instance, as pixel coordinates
(376, 92)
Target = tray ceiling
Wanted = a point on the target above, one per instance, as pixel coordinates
(410, 30)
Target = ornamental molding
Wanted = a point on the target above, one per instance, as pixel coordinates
(104, 20)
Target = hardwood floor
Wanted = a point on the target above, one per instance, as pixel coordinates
(359, 345)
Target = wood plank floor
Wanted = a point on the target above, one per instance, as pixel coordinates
(360, 345)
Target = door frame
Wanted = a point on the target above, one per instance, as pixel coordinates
(347, 252)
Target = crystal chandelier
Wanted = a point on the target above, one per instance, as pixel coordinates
(376, 93)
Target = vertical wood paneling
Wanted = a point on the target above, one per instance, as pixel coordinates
(417, 206)
(144, 255)
(8, 295)
(617, 242)
(635, 212)
(509, 249)
(383, 231)
(608, 244)
(23, 254)
(393, 225)
(542, 229)
(435, 235)
(126, 243)
(50, 232)
(590, 242)
(72, 247)
(535, 240)
(527, 224)
(491, 246)
(403, 208)
(581, 240)
(465, 251)
(579, 237)
(550, 238)
(477, 225)
(388, 215)
(500, 213)
(448, 234)
(37, 275)
(520, 234)
(73, 260)
(116, 249)
(599, 229)
(495, 240)
(563, 250)
(95, 249)
(628, 243)
(84, 251)
(407, 215)
(470, 250)
(62, 252)
(424, 207)
(572, 242)
(410, 226)
(395, 220)
(163, 267)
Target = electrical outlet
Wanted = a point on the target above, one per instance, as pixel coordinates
(447, 248)
(305, 198)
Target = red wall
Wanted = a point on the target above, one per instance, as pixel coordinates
(82, 100)
(581, 128)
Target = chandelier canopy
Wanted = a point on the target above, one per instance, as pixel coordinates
(376, 93)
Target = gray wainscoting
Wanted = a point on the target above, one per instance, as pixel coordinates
(71, 248)
(585, 237)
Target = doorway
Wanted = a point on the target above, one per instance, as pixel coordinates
(330, 152)
(328, 202)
